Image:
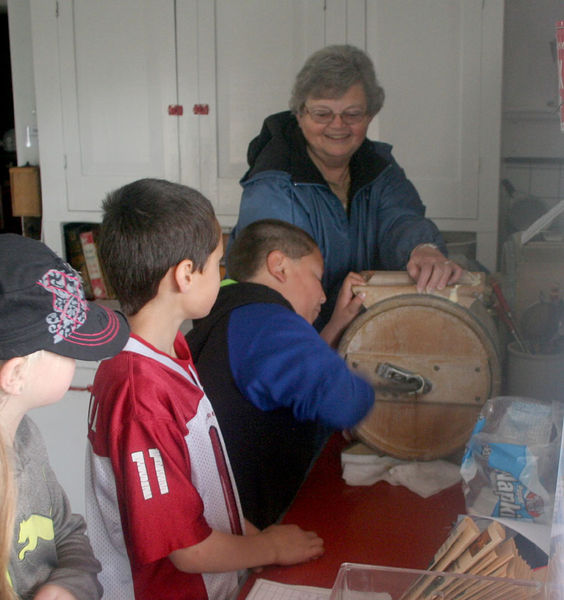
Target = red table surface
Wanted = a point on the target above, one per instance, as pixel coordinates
(379, 524)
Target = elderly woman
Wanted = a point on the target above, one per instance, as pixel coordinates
(314, 167)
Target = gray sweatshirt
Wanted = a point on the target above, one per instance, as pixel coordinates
(49, 543)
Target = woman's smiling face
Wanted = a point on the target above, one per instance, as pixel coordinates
(335, 142)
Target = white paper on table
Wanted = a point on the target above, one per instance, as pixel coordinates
(263, 589)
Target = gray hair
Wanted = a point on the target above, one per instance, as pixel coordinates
(331, 71)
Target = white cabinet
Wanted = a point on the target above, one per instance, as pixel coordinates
(530, 72)
(531, 124)
(117, 78)
(125, 66)
(433, 96)
(106, 73)
(248, 53)
(440, 63)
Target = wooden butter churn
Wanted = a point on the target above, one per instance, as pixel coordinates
(433, 360)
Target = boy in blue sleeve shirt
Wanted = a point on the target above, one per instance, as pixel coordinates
(276, 385)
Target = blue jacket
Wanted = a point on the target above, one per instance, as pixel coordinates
(385, 220)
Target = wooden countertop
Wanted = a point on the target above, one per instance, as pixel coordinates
(379, 524)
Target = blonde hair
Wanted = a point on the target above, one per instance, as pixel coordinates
(7, 511)
(8, 495)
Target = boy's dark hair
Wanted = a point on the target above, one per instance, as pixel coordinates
(251, 247)
(149, 226)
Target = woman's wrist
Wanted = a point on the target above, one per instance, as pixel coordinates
(426, 245)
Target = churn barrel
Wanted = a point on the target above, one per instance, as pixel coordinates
(433, 360)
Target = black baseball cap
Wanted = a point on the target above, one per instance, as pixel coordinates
(43, 307)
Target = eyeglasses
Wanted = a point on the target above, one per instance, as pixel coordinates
(325, 116)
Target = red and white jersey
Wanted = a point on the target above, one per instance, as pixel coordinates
(157, 476)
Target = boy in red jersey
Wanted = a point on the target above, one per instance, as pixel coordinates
(163, 510)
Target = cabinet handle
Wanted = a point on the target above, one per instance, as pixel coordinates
(201, 109)
(176, 110)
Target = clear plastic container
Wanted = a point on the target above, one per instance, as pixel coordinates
(367, 582)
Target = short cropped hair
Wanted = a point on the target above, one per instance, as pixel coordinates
(251, 247)
(331, 71)
(148, 227)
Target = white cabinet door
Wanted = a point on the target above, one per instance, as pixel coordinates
(117, 79)
(427, 56)
(241, 66)
(530, 71)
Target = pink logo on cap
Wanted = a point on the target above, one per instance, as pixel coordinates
(69, 304)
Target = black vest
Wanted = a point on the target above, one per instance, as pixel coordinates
(270, 451)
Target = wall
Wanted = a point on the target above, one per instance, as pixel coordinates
(64, 429)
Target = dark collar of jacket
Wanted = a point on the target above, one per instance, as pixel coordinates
(281, 146)
(230, 297)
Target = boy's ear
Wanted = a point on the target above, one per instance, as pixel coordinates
(12, 376)
(183, 274)
(276, 265)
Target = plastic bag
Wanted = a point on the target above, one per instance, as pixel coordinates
(510, 465)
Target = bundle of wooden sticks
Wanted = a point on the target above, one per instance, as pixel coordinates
(487, 552)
